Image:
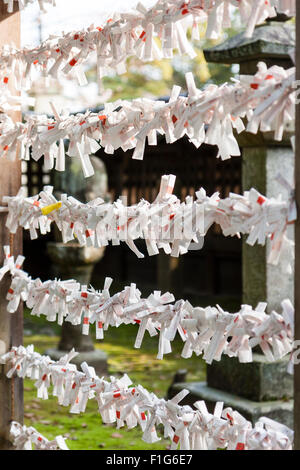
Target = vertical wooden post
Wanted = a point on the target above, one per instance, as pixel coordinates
(297, 245)
(11, 325)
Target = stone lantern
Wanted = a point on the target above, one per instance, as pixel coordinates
(72, 261)
(259, 388)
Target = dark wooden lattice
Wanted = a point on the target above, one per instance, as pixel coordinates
(213, 271)
(35, 177)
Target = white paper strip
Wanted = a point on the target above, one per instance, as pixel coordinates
(267, 99)
(126, 405)
(167, 223)
(133, 33)
(28, 438)
(208, 331)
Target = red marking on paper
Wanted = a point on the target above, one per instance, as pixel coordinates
(102, 118)
(260, 200)
(240, 446)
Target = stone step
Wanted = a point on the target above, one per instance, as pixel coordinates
(279, 410)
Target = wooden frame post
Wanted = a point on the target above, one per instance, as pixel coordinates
(297, 244)
(11, 325)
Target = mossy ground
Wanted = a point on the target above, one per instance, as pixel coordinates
(86, 431)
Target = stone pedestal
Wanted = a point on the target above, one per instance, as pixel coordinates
(263, 157)
(261, 165)
(71, 261)
(258, 380)
(260, 388)
(279, 410)
(96, 359)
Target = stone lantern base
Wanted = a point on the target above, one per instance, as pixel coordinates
(255, 389)
(71, 261)
(279, 410)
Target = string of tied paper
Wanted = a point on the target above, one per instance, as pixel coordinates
(287, 7)
(10, 102)
(124, 404)
(28, 438)
(133, 33)
(239, 443)
(167, 223)
(209, 331)
(263, 9)
(24, 3)
(210, 116)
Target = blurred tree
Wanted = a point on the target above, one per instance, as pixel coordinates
(156, 78)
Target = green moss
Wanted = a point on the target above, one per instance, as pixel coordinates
(86, 431)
